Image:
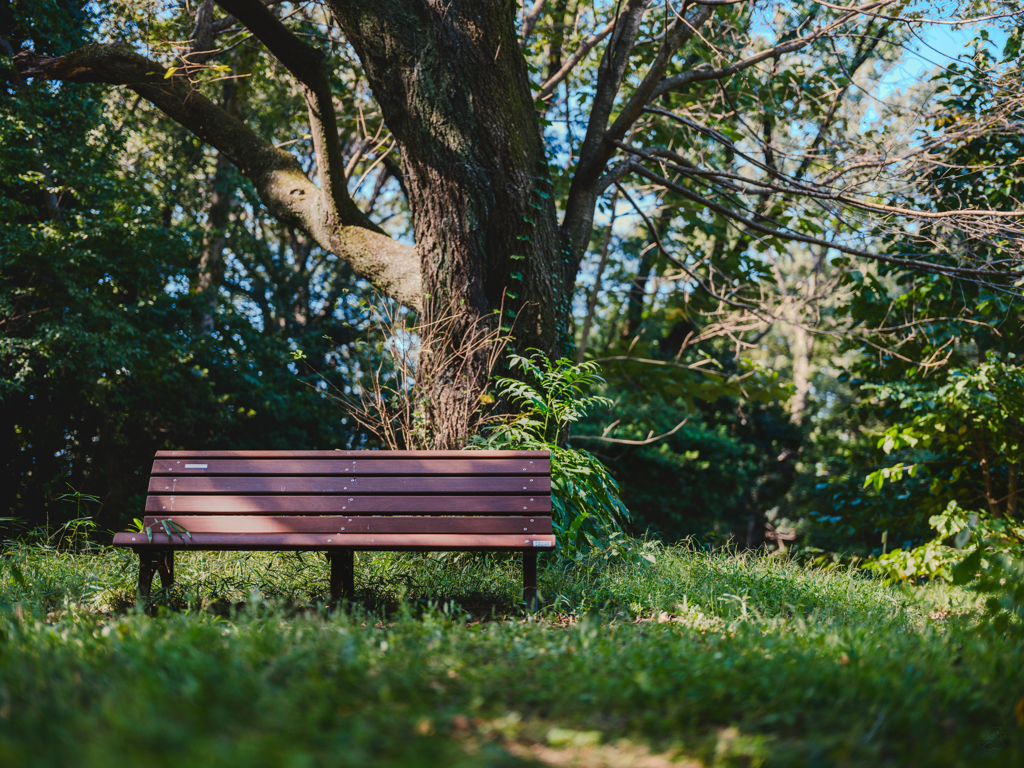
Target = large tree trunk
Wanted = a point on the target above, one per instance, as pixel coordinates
(453, 88)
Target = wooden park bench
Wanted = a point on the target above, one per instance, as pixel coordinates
(340, 502)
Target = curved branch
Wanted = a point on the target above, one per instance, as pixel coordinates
(549, 85)
(747, 186)
(307, 65)
(619, 441)
(282, 185)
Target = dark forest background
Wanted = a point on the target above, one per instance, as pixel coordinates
(113, 347)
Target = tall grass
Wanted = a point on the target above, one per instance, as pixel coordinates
(701, 657)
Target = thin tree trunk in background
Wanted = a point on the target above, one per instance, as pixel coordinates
(210, 274)
(803, 346)
(986, 472)
(638, 288)
(801, 343)
(637, 294)
(1011, 499)
(581, 350)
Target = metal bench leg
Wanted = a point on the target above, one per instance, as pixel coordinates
(151, 562)
(165, 567)
(343, 577)
(530, 579)
(147, 569)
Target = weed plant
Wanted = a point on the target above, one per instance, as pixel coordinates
(699, 658)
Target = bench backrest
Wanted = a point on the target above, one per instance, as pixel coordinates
(214, 494)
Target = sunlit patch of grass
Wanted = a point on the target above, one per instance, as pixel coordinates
(698, 658)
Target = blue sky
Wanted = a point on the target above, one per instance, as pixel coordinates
(937, 46)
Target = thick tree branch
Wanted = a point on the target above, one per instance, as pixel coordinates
(651, 437)
(599, 144)
(579, 209)
(286, 191)
(679, 34)
(307, 65)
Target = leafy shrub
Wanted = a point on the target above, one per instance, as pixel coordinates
(972, 427)
(586, 507)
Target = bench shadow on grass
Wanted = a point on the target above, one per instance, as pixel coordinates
(476, 586)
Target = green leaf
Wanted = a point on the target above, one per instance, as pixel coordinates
(965, 571)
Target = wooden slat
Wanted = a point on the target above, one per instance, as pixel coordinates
(334, 486)
(361, 541)
(364, 525)
(351, 454)
(298, 505)
(351, 467)
(458, 500)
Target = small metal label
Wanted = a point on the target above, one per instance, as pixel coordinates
(195, 466)
(542, 544)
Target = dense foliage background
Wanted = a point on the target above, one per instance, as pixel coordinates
(113, 345)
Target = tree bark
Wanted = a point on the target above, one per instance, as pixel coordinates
(453, 88)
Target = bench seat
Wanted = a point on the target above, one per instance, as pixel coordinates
(340, 502)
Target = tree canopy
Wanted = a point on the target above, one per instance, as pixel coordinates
(727, 205)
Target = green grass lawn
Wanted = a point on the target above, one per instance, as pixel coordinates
(696, 659)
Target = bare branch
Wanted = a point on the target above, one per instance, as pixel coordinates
(748, 186)
(702, 74)
(648, 441)
(529, 21)
(549, 85)
(923, 266)
(921, 19)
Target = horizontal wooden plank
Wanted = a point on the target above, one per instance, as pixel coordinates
(337, 485)
(351, 454)
(353, 467)
(327, 541)
(298, 505)
(342, 524)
